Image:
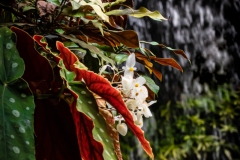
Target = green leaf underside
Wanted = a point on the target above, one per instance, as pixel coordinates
(86, 104)
(16, 103)
(91, 48)
(141, 12)
(151, 84)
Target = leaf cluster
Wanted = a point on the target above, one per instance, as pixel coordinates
(61, 42)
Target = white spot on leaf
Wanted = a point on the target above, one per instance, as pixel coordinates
(22, 129)
(91, 115)
(83, 92)
(8, 45)
(14, 65)
(27, 108)
(89, 102)
(100, 138)
(27, 142)
(23, 95)
(16, 113)
(16, 150)
(101, 130)
(12, 136)
(12, 100)
(107, 153)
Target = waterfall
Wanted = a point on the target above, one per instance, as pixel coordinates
(208, 32)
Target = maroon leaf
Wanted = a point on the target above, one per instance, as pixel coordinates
(38, 72)
(55, 132)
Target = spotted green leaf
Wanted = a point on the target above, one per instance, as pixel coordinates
(16, 103)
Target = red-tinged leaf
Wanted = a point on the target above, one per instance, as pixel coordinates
(155, 72)
(54, 126)
(39, 40)
(176, 51)
(167, 62)
(90, 149)
(86, 104)
(144, 59)
(103, 88)
(38, 70)
(55, 132)
(128, 37)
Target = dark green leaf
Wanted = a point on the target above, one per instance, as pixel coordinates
(16, 103)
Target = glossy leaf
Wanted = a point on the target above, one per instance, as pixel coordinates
(141, 12)
(155, 72)
(91, 48)
(97, 9)
(176, 51)
(56, 2)
(103, 88)
(143, 59)
(128, 37)
(167, 62)
(151, 84)
(86, 104)
(120, 58)
(16, 103)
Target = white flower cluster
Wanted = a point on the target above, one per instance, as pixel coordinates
(134, 95)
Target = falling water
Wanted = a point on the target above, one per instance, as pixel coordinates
(207, 31)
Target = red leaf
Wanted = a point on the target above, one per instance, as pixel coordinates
(44, 45)
(53, 123)
(167, 62)
(103, 88)
(55, 131)
(89, 148)
(38, 69)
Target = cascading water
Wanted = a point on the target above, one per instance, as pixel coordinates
(207, 31)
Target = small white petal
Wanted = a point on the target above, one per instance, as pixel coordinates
(140, 80)
(139, 121)
(131, 104)
(131, 60)
(127, 83)
(152, 102)
(122, 128)
(146, 111)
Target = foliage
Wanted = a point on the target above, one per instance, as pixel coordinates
(199, 127)
(63, 60)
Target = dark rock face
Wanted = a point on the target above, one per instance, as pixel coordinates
(209, 33)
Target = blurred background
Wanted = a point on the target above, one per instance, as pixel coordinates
(197, 116)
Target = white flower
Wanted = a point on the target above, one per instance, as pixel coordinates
(139, 94)
(145, 108)
(139, 121)
(131, 104)
(138, 82)
(122, 128)
(129, 68)
(127, 84)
